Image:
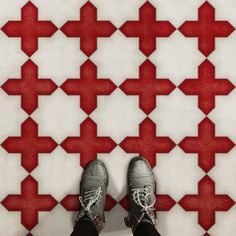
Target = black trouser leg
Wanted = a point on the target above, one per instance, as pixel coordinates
(146, 229)
(85, 227)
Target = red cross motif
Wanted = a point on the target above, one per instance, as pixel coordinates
(71, 203)
(147, 144)
(29, 145)
(206, 144)
(147, 87)
(29, 29)
(147, 29)
(206, 29)
(88, 144)
(163, 203)
(29, 87)
(88, 29)
(206, 87)
(206, 203)
(29, 203)
(88, 87)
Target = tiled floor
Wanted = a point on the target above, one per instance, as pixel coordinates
(187, 132)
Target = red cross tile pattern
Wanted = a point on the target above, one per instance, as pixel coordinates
(206, 29)
(206, 144)
(147, 29)
(88, 144)
(29, 29)
(88, 29)
(71, 203)
(29, 87)
(206, 87)
(89, 86)
(29, 145)
(147, 87)
(206, 202)
(147, 144)
(29, 203)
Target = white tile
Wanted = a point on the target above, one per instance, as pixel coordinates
(173, 169)
(117, 164)
(225, 223)
(118, 58)
(59, 58)
(11, 10)
(59, 115)
(10, 125)
(178, 222)
(177, 11)
(59, 11)
(118, 11)
(177, 58)
(224, 115)
(11, 174)
(10, 224)
(57, 222)
(118, 115)
(12, 58)
(224, 58)
(177, 116)
(225, 10)
(224, 174)
(58, 174)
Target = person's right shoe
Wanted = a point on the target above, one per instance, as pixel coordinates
(141, 193)
(93, 194)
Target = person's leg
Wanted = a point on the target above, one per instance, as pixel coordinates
(146, 229)
(85, 227)
(91, 217)
(142, 198)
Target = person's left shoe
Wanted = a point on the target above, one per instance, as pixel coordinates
(93, 194)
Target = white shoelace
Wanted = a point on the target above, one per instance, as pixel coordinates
(144, 198)
(90, 197)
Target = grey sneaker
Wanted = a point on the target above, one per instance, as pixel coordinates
(93, 193)
(141, 188)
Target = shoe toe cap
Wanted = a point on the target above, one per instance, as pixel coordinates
(96, 168)
(139, 167)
